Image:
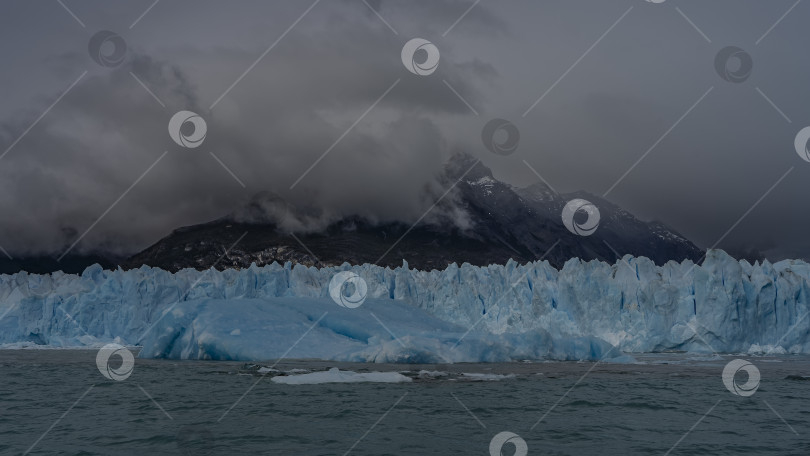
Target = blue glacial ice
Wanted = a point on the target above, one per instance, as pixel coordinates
(586, 310)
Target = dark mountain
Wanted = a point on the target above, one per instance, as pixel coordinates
(506, 222)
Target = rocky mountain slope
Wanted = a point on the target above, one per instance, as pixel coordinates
(523, 224)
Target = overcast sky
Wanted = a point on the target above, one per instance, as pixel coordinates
(609, 98)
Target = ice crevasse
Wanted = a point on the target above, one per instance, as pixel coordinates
(586, 310)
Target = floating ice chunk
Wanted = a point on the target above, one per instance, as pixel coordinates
(334, 375)
(424, 374)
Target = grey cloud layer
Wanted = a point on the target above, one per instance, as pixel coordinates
(308, 90)
(268, 130)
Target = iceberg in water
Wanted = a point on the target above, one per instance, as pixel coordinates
(586, 310)
(334, 375)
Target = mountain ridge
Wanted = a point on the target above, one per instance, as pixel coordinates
(522, 224)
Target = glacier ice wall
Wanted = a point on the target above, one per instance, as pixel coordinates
(462, 313)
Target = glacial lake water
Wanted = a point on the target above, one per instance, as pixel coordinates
(58, 402)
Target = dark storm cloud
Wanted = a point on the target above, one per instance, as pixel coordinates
(308, 90)
(269, 130)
